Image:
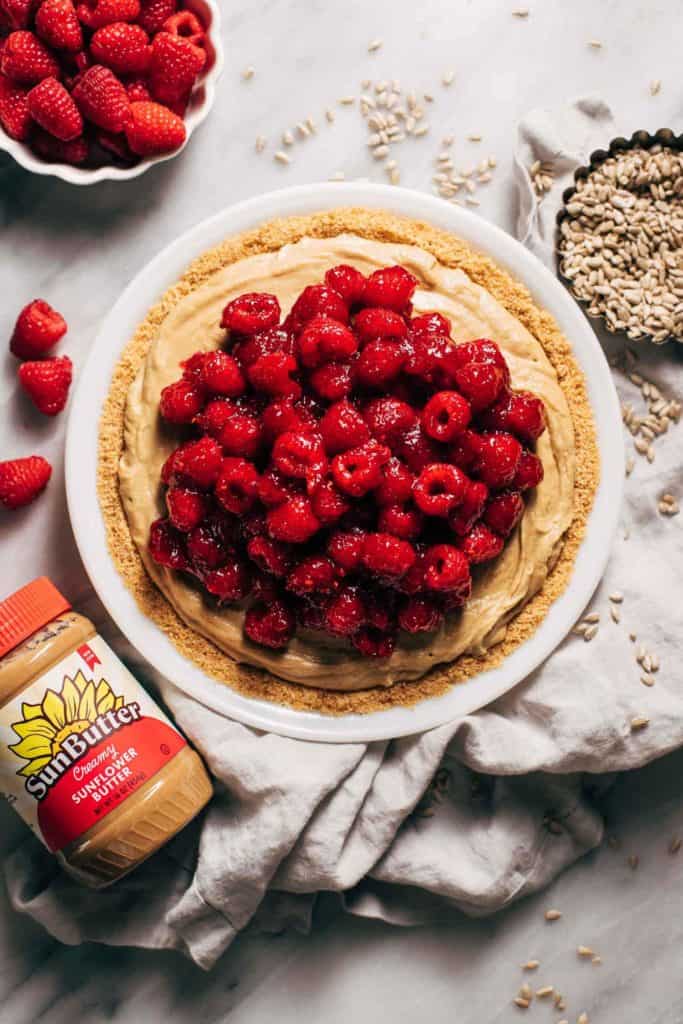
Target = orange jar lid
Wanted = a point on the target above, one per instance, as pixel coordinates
(22, 613)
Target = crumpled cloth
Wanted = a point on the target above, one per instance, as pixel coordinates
(515, 796)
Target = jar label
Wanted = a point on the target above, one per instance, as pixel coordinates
(79, 741)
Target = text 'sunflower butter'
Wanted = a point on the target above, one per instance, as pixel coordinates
(87, 758)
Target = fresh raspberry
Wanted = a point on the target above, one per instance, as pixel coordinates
(345, 547)
(328, 503)
(271, 556)
(445, 415)
(219, 374)
(389, 419)
(300, 454)
(138, 91)
(47, 383)
(332, 381)
(401, 521)
(316, 300)
(313, 575)
(465, 450)
(274, 488)
(155, 13)
(446, 568)
(154, 129)
(481, 544)
(463, 518)
(271, 375)
(359, 470)
(430, 323)
(52, 107)
(345, 614)
(95, 14)
(504, 511)
(387, 556)
(116, 146)
(200, 461)
(207, 545)
(480, 383)
(18, 13)
(390, 287)
(167, 545)
(293, 522)
(280, 416)
(270, 625)
(348, 282)
(52, 150)
(521, 413)
(186, 508)
(439, 489)
(14, 113)
(237, 485)
(379, 362)
(57, 25)
(343, 427)
(324, 340)
(397, 484)
(374, 643)
(529, 472)
(374, 323)
(232, 582)
(180, 402)
(186, 25)
(482, 350)
(122, 47)
(26, 60)
(38, 329)
(22, 480)
(251, 313)
(241, 433)
(417, 450)
(497, 460)
(419, 614)
(174, 67)
(102, 99)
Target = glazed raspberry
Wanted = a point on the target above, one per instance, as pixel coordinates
(283, 415)
(270, 555)
(345, 613)
(380, 609)
(332, 381)
(387, 556)
(504, 511)
(220, 374)
(414, 580)
(445, 415)
(57, 25)
(270, 374)
(167, 545)
(174, 65)
(373, 643)
(343, 427)
(208, 545)
(96, 13)
(272, 339)
(401, 521)
(431, 358)
(482, 350)
(419, 614)
(270, 625)
(374, 323)
(186, 508)
(47, 383)
(24, 59)
(122, 47)
(300, 454)
(439, 489)
(465, 451)
(315, 300)
(237, 485)
(180, 402)
(521, 413)
(38, 329)
(274, 488)
(186, 26)
(323, 340)
(154, 13)
(232, 582)
(397, 484)
(391, 287)
(152, 129)
(14, 113)
(481, 544)
(251, 313)
(529, 472)
(51, 106)
(200, 461)
(430, 323)
(348, 282)
(22, 480)
(389, 419)
(102, 99)
(417, 450)
(293, 522)
(463, 518)
(240, 434)
(446, 568)
(497, 459)
(480, 383)
(379, 362)
(345, 547)
(328, 503)
(359, 470)
(264, 588)
(314, 575)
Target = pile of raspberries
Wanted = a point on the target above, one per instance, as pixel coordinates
(95, 82)
(346, 466)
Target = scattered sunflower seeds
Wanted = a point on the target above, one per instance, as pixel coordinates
(282, 157)
(248, 73)
(639, 722)
(531, 965)
(374, 45)
(553, 914)
(655, 87)
(520, 12)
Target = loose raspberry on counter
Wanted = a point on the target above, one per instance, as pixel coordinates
(38, 329)
(22, 480)
(47, 383)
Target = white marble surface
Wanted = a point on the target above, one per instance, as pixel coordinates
(79, 247)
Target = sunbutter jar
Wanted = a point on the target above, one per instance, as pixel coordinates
(88, 760)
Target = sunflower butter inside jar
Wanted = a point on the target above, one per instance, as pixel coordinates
(87, 758)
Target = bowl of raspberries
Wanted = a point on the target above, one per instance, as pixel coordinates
(94, 90)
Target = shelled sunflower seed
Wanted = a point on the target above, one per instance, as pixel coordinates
(646, 428)
(542, 174)
(668, 505)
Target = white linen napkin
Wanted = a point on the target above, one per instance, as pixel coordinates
(512, 804)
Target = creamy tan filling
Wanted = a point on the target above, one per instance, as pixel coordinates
(499, 590)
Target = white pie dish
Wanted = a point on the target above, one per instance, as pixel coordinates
(82, 458)
(201, 102)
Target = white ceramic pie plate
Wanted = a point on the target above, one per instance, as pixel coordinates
(82, 444)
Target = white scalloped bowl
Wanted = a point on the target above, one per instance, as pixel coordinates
(201, 101)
